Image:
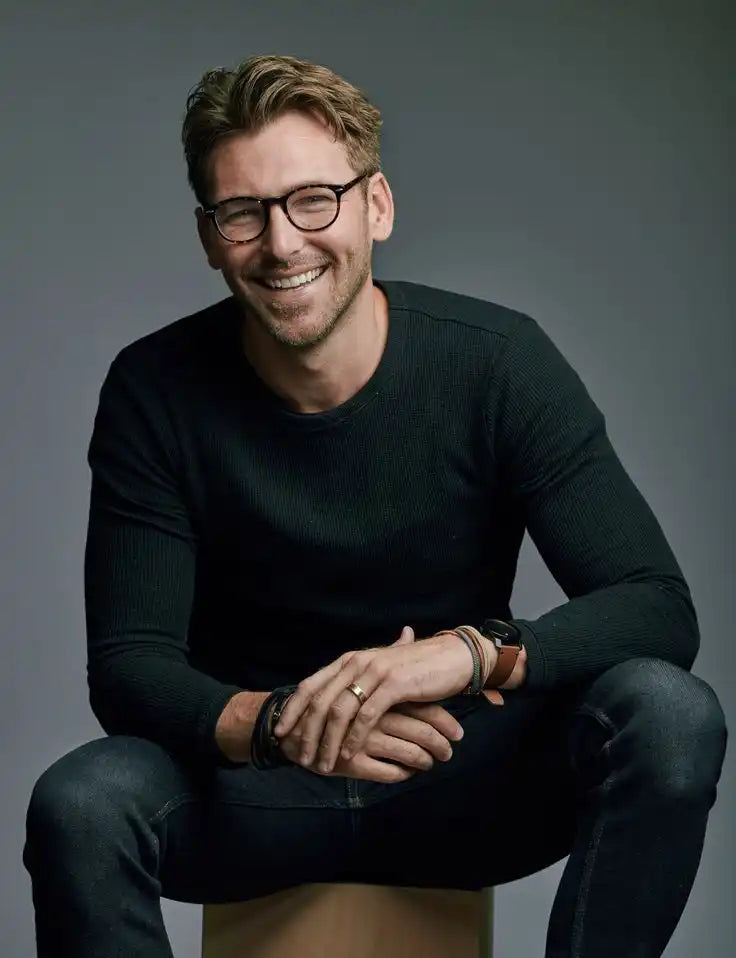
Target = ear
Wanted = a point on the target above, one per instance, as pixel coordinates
(209, 238)
(380, 208)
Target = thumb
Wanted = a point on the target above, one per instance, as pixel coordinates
(407, 635)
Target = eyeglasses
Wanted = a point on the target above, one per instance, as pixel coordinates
(242, 219)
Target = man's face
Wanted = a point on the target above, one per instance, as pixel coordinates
(294, 150)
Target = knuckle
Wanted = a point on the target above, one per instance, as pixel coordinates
(417, 756)
(378, 669)
(337, 709)
(433, 740)
(366, 715)
(316, 704)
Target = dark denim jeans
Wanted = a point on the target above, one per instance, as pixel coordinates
(620, 776)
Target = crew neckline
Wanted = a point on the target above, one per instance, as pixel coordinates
(383, 372)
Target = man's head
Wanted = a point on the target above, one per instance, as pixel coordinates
(263, 130)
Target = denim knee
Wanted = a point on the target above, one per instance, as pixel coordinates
(80, 801)
(658, 727)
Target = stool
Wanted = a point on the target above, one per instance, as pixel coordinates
(352, 921)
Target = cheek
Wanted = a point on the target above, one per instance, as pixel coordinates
(235, 264)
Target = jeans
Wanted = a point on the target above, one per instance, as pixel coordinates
(619, 776)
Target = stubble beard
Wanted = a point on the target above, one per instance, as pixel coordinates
(334, 303)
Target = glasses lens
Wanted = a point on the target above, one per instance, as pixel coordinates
(313, 208)
(240, 220)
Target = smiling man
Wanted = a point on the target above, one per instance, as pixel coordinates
(306, 511)
(299, 264)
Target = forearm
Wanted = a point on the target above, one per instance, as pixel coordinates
(580, 639)
(160, 698)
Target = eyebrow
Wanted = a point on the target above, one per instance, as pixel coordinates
(297, 186)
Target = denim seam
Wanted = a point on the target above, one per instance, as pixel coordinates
(585, 881)
(275, 806)
(586, 878)
(598, 715)
(171, 806)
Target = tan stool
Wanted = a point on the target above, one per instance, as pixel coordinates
(352, 921)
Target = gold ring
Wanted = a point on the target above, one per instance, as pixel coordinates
(357, 691)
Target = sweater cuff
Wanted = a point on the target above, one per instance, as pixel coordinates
(209, 749)
(537, 672)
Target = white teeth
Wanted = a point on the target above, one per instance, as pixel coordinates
(294, 281)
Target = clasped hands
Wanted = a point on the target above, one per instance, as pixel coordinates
(324, 726)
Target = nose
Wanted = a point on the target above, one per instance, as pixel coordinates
(281, 238)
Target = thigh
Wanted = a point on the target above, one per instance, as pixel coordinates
(248, 833)
(505, 806)
(205, 834)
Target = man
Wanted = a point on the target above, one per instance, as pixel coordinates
(306, 510)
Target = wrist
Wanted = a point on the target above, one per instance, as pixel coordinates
(518, 676)
(491, 652)
(506, 637)
(234, 729)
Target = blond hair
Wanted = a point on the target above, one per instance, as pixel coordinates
(260, 90)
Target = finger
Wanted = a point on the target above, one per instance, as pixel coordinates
(415, 731)
(376, 705)
(328, 715)
(435, 715)
(407, 636)
(325, 734)
(325, 744)
(372, 770)
(296, 705)
(397, 749)
(306, 689)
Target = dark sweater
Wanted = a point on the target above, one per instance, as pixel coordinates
(235, 544)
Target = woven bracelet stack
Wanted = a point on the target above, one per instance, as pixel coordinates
(481, 663)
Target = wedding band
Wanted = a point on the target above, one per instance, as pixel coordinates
(357, 691)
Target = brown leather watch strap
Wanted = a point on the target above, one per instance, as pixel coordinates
(507, 656)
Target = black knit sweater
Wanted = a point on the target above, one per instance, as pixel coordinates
(235, 544)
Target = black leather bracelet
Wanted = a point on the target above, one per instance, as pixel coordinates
(265, 751)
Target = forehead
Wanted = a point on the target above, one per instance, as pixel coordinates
(291, 150)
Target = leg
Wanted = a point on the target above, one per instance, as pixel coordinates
(647, 743)
(502, 808)
(621, 779)
(118, 823)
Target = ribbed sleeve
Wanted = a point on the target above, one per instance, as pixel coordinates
(139, 579)
(591, 525)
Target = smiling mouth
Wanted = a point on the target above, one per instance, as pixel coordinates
(298, 281)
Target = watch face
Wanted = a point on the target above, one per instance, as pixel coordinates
(506, 632)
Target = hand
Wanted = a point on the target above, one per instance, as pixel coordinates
(414, 735)
(406, 671)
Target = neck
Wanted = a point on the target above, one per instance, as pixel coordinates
(328, 374)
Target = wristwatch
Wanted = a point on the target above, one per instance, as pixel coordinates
(507, 638)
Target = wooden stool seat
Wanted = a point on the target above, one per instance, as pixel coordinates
(352, 921)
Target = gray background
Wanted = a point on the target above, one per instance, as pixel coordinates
(568, 159)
